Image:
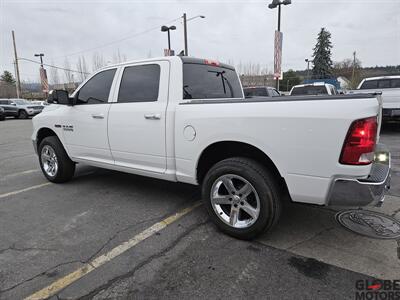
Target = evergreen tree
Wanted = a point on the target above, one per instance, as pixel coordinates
(290, 79)
(7, 77)
(322, 56)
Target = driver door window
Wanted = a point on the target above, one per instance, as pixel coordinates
(97, 89)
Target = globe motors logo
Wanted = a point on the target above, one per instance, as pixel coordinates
(377, 290)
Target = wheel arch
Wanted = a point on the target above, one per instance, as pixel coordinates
(221, 150)
(43, 133)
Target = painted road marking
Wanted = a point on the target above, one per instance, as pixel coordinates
(38, 186)
(67, 280)
(24, 190)
(20, 173)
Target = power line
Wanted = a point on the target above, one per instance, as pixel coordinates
(51, 66)
(115, 41)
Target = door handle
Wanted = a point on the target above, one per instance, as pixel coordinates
(152, 116)
(97, 116)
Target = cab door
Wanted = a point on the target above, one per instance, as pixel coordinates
(85, 124)
(136, 125)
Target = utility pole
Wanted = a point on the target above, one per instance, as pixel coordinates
(354, 69)
(185, 34)
(18, 85)
(308, 68)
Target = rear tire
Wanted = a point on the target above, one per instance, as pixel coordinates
(251, 203)
(54, 161)
(23, 114)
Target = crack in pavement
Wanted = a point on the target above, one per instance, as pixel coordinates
(395, 212)
(131, 226)
(114, 280)
(310, 238)
(13, 248)
(39, 275)
(85, 261)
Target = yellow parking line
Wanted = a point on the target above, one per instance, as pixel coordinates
(24, 190)
(65, 281)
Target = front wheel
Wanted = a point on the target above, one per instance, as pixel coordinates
(22, 114)
(242, 197)
(54, 161)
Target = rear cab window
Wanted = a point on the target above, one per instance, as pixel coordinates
(310, 90)
(209, 80)
(250, 92)
(369, 84)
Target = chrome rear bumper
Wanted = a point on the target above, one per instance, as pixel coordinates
(367, 191)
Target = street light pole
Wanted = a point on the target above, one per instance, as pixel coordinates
(168, 29)
(41, 58)
(274, 4)
(308, 67)
(169, 41)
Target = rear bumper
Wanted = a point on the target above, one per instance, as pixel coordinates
(368, 191)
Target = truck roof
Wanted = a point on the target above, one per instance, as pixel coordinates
(312, 84)
(383, 77)
(185, 59)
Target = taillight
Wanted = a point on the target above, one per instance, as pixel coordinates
(358, 148)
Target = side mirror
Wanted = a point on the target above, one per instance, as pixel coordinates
(59, 97)
(13, 104)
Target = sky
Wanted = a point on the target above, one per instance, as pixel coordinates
(232, 31)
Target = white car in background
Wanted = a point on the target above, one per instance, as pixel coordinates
(389, 86)
(316, 88)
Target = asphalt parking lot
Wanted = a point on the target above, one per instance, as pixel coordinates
(110, 235)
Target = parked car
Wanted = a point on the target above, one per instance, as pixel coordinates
(10, 108)
(389, 86)
(2, 114)
(317, 88)
(20, 108)
(41, 103)
(262, 91)
(186, 119)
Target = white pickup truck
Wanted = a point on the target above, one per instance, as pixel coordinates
(186, 119)
(389, 86)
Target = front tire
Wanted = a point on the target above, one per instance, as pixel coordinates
(242, 197)
(22, 114)
(54, 161)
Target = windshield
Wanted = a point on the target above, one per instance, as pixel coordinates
(21, 101)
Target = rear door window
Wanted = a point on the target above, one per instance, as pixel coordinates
(384, 84)
(140, 84)
(201, 81)
(369, 84)
(395, 83)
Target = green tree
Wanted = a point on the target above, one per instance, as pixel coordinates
(7, 77)
(290, 78)
(322, 56)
